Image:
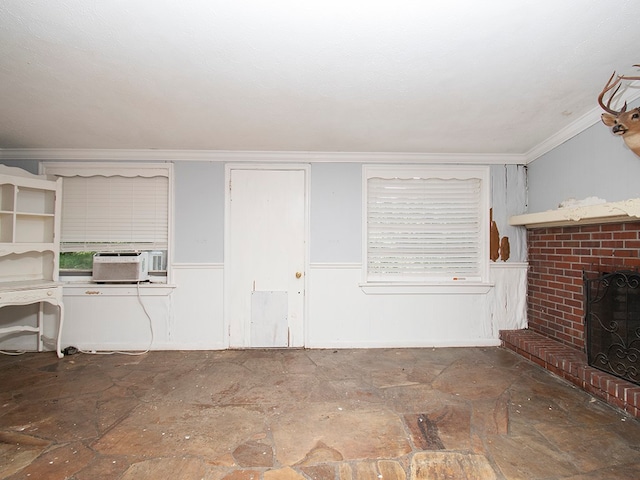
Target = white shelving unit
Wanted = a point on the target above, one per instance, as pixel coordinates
(30, 248)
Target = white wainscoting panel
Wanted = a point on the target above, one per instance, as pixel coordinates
(197, 304)
(341, 315)
(508, 298)
(187, 316)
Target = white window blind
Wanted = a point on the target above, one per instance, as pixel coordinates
(115, 209)
(114, 213)
(425, 229)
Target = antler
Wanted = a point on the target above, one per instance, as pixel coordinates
(625, 77)
(610, 85)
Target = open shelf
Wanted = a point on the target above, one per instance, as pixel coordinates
(35, 200)
(29, 245)
(32, 228)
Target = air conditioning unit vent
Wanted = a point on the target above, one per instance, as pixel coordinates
(157, 261)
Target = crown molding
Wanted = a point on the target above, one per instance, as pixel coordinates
(66, 154)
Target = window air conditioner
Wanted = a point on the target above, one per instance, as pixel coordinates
(124, 267)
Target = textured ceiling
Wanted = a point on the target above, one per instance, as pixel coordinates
(346, 76)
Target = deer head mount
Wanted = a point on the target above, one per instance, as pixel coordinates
(622, 122)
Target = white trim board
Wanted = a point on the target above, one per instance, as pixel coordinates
(44, 154)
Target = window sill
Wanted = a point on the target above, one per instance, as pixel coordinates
(423, 288)
(87, 289)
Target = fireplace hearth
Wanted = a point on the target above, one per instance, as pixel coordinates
(558, 257)
(612, 323)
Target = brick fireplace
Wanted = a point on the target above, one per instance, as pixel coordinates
(555, 338)
(557, 258)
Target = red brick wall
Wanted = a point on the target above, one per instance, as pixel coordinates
(557, 258)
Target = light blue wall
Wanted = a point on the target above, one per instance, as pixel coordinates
(199, 212)
(594, 163)
(336, 212)
(28, 165)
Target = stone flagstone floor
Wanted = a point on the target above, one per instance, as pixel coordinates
(418, 414)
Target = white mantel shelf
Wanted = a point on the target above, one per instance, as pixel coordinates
(614, 212)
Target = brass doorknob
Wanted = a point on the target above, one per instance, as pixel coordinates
(298, 274)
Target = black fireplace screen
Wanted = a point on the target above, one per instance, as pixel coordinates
(612, 323)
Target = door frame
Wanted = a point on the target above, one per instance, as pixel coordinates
(229, 167)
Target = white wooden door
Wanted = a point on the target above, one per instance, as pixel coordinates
(265, 256)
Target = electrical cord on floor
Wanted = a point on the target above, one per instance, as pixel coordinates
(144, 308)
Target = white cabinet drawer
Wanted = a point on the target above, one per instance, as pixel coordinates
(51, 294)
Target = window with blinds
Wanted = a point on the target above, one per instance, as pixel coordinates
(426, 224)
(114, 214)
(112, 208)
